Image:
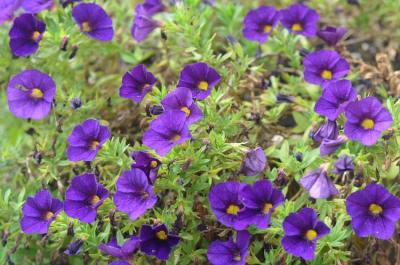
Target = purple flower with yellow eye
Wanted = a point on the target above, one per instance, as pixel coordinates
(328, 130)
(302, 230)
(93, 21)
(259, 23)
(319, 184)
(254, 162)
(124, 253)
(366, 120)
(137, 83)
(157, 241)
(323, 66)
(374, 212)
(25, 35)
(38, 212)
(331, 35)
(86, 140)
(7, 9)
(148, 164)
(300, 19)
(36, 6)
(166, 131)
(143, 24)
(181, 100)
(83, 197)
(30, 94)
(230, 252)
(199, 78)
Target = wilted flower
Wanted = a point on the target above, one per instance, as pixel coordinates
(30, 94)
(343, 164)
(302, 230)
(156, 241)
(323, 66)
(261, 199)
(25, 35)
(300, 19)
(37, 6)
(181, 100)
(331, 35)
(137, 83)
(254, 162)
(86, 140)
(318, 184)
(335, 98)
(143, 24)
(366, 120)
(74, 248)
(230, 252)
(328, 146)
(83, 197)
(124, 253)
(7, 9)
(148, 164)
(199, 78)
(134, 194)
(374, 212)
(93, 21)
(259, 23)
(328, 130)
(39, 211)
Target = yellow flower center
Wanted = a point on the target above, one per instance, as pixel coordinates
(94, 144)
(95, 199)
(232, 209)
(267, 28)
(297, 27)
(311, 234)
(326, 74)
(237, 257)
(368, 124)
(375, 209)
(37, 93)
(86, 26)
(176, 138)
(35, 35)
(203, 85)
(267, 208)
(162, 235)
(186, 110)
(153, 164)
(48, 215)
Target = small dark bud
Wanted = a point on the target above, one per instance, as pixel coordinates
(353, 2)
(74, 248)
(75, 103)
(30, 131)
(284, 98)
(111, 215)
(304, 52)
(164, 35)
(64, 44)
(178, 223)
(37, 156)
(74, 51)
(154, 110)
(281, 179)
(70, 231)
(299, 156)
(202, 227)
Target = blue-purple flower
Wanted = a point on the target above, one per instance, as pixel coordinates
(300, 19)
(331, 35)
(147, 163)
(259, 23)
(37, 6)
(230, 252)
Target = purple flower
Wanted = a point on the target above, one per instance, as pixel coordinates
(366, 120)
(7, 9)
(331, 35)
(38, 212)
(143, 24)
(156, 241)
(254, 162)
(93, 21)
(25, 35)
(134, 194)
(323, 66)
(300, 19)
(374, 211)
(124, 253)
(261, 199)
(302, 230)
(328, 130)
(148, 164)
(343, 164)
(86, 140)
(181, 100)
(199, 78)
(226, 205)
(36, 6)
(230, 252)
(137, 83)
(328, 146)
(259, 23)
(83, 197)
(152, 7)
(166, 131)
(30, 94)
(318, 184)
(335, 98)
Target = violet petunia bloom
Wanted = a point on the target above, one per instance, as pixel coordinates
(331, 35)
(319, 184)
(166, 131)
(328, 146)
(39, 211)
(7, 9)
(152, 7)
(302, 230)
(343, 164)
(230, 252)
(86, 140)
(181, 100)
(156, 241)
(335, 98)
(148, 164)
(143, 24)
(93, 21)
(124, 253)
(323, 66)
(25, 35)
(199, 78)
(374, 212)
(30, 94)
(261, 199)
(137, 83)
(37, 6)
(83, 197)
(134, 194)
(259, 23)
(300, 19)
(366, 120)
(254, 162)
(328, 130)
(226, 205)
